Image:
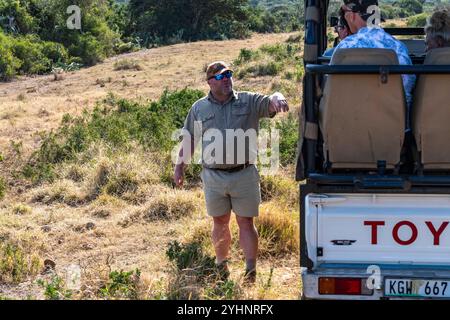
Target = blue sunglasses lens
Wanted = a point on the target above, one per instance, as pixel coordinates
(227, 74)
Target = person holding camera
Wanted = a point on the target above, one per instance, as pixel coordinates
(363, 17)
(342, 29)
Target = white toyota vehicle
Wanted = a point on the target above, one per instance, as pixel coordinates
(375, 202)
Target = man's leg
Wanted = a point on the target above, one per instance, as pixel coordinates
(221, 237)
(248, 239)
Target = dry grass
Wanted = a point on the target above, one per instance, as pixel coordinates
(127, 64)
(78, 90)
(81, 217)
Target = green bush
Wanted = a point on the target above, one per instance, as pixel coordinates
(122, 285)
(9, 64)
(419, 20)
(55, 289)
(288, 138)
(28, 55)
(16, 264)
(2, 188)
(190, 256)
(29, 50)
(55, 52)
(127, 64)
(88, 48)
(118, 122)
(288, 133)
(270, 60)
(245, 55)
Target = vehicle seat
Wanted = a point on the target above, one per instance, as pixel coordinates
(361, 118)
(431, 113)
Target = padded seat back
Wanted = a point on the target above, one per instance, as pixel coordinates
(431, 113)
(361, 118)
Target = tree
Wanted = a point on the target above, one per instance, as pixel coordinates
(190, 19)
(411, 6)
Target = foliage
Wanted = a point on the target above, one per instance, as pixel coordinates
(16, 264)
(190, 256)
(418, 20)
(411, 6)
(122, 285)
(55, 289)
(127, 64)
(277, 16)
(38, 36)
(2, 188)
(269, 60)
(288, 138)
(118, 123)
(200, 19)
(34, 34)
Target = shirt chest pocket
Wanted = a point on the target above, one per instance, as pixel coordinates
(240, 114)
(207, 121)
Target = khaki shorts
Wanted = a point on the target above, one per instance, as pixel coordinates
(238, 191)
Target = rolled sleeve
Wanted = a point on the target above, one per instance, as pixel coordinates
(189, 123)
(260, 103)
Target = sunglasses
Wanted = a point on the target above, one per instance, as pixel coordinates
(228, 74)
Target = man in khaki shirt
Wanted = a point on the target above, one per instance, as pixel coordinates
(230, 179)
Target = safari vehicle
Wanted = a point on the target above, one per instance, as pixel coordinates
(373, 223)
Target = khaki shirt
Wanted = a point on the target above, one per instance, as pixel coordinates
(209, 122)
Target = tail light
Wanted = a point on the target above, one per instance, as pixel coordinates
(344, 286)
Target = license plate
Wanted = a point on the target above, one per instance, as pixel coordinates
(417, 288)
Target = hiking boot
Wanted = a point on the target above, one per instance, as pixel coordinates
(250, 277)
(222, 270)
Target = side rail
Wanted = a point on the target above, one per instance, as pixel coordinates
(377, 69)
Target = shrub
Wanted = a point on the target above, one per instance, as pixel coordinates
(288, 138)
(267, 69)
(29, 51)
(55, 289)
(118, 123)
(277, 187)
(21, 209)
(62, 191)
(193, 270)
(189, 255)
(245, 55)
(122, 285)
(9, 64)
(127, 64)
(122, 174)
(16, 264)
(270, 60)
(171, 206)
(278, 231)
(55, 52)
(2, 188)
(88, 48)
(419, 20)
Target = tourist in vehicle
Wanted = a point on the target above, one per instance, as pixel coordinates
(357, 13)
(342, 29)
(437, 29)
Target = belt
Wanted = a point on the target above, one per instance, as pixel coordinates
(234, 169)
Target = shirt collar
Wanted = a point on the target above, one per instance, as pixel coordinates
(367, 28)
(234, 96)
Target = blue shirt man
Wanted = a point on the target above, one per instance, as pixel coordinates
(368, 34)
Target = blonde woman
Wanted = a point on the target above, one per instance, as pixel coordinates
(437, 29)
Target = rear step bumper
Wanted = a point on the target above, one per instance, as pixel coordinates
(310, 280)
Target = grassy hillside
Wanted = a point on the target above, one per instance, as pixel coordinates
(85, 179)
